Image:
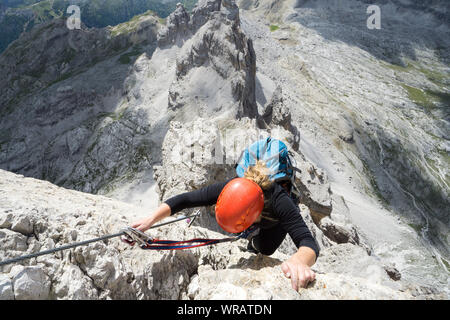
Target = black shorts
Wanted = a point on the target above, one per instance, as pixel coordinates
(268, 240)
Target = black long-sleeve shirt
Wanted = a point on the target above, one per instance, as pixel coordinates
(279, 209)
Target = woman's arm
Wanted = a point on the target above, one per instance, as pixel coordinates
(201, 197)
(297, 267)
(292, 221)
(205, 196)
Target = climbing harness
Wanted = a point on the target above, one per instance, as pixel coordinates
(132, 236)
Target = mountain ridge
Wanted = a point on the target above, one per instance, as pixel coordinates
(98, 13)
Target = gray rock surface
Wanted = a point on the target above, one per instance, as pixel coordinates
(73, 89)
(101, 124)
(176, 28)
(201, 12)
(30, 283)
(6, 288)
(217, 54)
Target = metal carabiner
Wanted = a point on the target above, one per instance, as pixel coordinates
(132, 235)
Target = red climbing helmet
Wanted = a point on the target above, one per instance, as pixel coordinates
(239, 204)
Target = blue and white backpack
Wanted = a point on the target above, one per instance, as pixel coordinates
(275, 154)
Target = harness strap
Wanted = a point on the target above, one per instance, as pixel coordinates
(156, 244)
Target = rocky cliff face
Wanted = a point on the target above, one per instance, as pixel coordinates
(143, 111)
(379, 125)
(216, 52)
(93, 111)
(59, 104)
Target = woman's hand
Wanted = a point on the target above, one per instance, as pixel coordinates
(144, 224)
(297, 268)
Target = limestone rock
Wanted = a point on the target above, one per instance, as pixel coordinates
(31, 283)
(354, 261)
(276, 113)
(11, 240)
(22, 224)
(6, 288)
(82, 107)
(393, 273)
(345, 130)
(218, 53)
(333, 286)
(177, 26)
(73, 284)
(254, 278)
(202, 11)
(194, 287)
(264, 283)
(339, 233)
(314, 187)
(71, 49)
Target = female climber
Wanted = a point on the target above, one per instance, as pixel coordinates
(253, 200)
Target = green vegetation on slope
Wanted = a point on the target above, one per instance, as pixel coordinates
(437, 77)
(274, 27)
(427, 98)
(127, 57)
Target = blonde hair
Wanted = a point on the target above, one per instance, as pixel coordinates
(259, 173)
